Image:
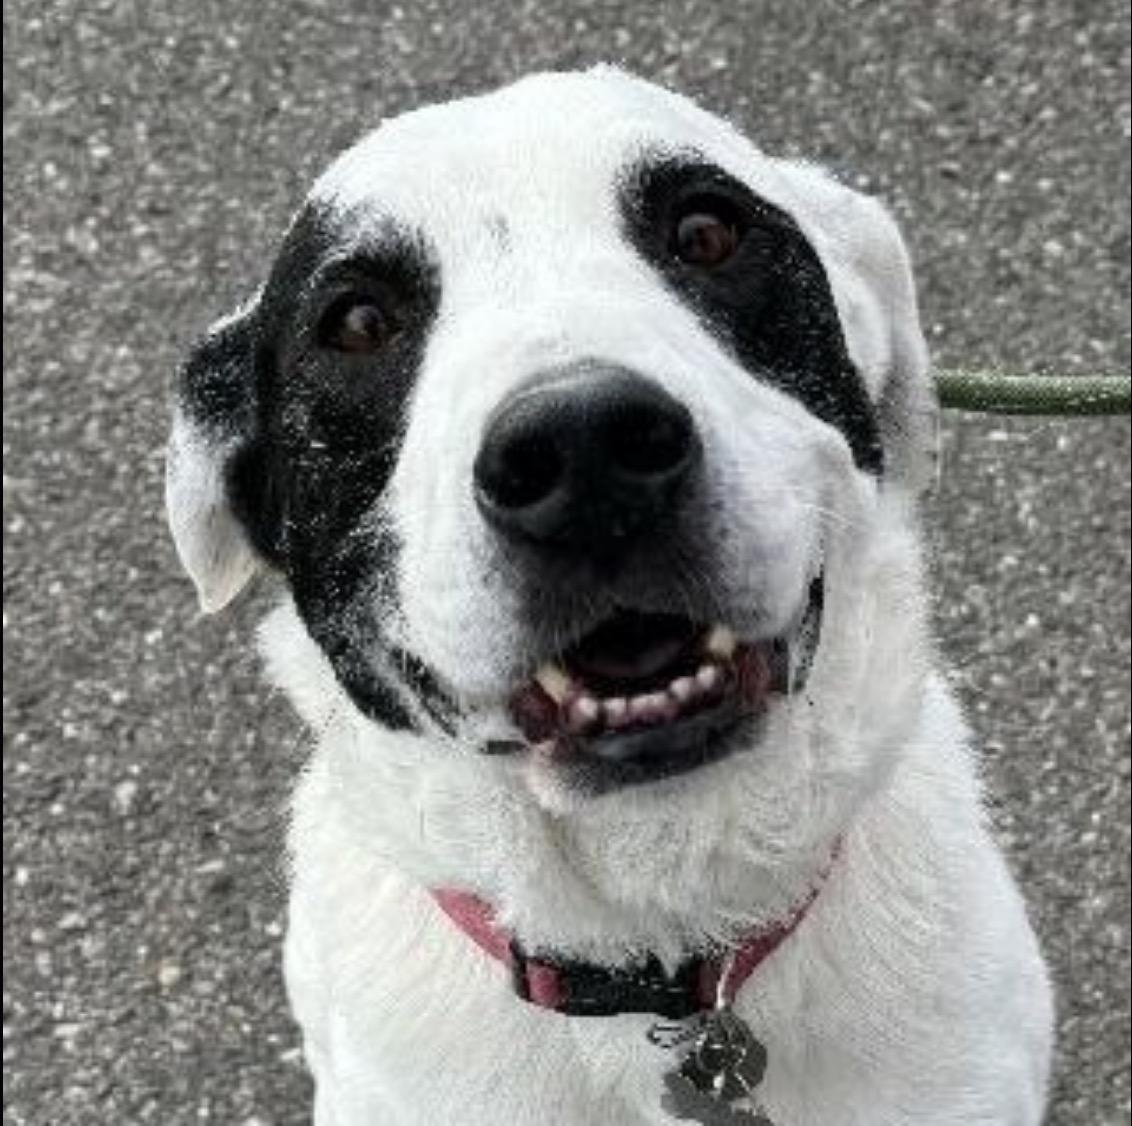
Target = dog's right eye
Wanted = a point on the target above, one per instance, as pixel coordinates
(356, 324)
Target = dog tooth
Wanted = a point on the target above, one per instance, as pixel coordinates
(649, 707)
(554, 682)
(683, 688)
(639, 708)
(708, 677)
(587, 707)
(616, 710)
(720, 642)
(583, 713)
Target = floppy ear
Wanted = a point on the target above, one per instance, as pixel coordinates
(907, 403)
(214, 423)
(871, 277)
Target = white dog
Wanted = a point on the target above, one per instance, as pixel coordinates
(586, 439)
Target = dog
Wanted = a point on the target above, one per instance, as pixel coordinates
(586, 440)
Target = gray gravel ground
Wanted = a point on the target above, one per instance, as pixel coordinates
(153, 152)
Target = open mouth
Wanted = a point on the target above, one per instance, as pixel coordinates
(645, 695)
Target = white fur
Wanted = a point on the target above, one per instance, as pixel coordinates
(913, 992)
(210, 543)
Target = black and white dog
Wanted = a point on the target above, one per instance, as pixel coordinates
(586, 439)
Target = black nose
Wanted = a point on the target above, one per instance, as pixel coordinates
(591, 459)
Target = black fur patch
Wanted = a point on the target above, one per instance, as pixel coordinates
(319, 433)
(215, 382)
(770, 303)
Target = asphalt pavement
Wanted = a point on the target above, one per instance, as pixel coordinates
(153, 152)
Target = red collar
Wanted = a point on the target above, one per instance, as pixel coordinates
(583, 989)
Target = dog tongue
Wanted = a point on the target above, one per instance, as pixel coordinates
(631, 646)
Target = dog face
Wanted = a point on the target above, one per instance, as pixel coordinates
(567, 417)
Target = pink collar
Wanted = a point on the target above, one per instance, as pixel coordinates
(583, 989)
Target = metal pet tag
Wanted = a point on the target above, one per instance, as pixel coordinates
(718, 1073)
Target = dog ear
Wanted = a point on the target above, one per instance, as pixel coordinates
(214, 429)
(870, 274)
(907, 403)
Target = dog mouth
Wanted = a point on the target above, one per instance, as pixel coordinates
(646, 695)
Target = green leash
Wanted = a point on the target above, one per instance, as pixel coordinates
(1034, 394)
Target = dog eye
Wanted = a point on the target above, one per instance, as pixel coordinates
(705, 236)
(357, 325)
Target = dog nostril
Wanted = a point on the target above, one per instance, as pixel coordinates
(530, 468)
(645, 442)
(521, 471)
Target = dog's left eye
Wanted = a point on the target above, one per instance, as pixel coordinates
(706, 234)
(356, 324)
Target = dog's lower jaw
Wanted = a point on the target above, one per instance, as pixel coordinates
(406, 1021)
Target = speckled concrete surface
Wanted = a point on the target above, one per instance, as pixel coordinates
(152, 154)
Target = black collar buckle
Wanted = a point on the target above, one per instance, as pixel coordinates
(589, 990)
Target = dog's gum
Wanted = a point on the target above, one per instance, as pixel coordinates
(753, 675)
(535, 712)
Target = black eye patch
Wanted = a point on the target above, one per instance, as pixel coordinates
(755, 281)
(336, 346)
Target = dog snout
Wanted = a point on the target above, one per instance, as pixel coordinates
(587, 460)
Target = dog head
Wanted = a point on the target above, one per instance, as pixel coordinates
(571, 421)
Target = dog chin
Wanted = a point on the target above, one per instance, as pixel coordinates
(562, 787)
